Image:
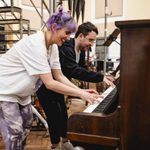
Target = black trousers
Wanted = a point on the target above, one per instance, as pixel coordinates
(56, 112)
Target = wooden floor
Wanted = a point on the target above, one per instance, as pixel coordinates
(39, 140)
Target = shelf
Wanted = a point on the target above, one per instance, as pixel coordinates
(8, 9)
(14, 21)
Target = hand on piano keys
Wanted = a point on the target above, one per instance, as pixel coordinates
(108, 80)
(104, 97)
(90, 95)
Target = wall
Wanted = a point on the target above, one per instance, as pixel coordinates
(129, 10)
(132, 9)
(137, 9)
(30, 13)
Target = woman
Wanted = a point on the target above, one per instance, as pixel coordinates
(30, 62)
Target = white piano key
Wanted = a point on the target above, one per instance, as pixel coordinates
(91, 107)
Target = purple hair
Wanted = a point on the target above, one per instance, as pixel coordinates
(62, 19)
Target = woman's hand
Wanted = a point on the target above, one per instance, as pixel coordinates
(90, 96)
(91, 91)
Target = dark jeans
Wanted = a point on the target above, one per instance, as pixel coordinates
(56, 112)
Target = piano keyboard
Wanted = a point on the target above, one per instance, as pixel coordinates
(102, 102)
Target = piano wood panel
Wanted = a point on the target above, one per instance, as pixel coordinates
(135, 84)
(94, 128)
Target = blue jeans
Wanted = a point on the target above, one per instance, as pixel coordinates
(15, 124)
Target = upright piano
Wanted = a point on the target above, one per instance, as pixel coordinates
(127, 125)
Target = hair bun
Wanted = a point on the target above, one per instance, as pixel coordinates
(60, 10)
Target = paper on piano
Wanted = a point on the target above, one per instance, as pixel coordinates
(90, 108)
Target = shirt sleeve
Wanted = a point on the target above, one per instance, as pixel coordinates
(54, 57)
(33, 54)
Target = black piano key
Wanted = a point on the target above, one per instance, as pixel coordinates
(104, 105)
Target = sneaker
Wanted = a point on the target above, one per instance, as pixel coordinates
(56, 148)
(68, 146)
(78, 148)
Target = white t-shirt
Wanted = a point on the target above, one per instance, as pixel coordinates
(21, 65)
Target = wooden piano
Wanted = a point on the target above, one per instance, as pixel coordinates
(127, 125)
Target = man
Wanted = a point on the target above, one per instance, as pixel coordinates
(72, 59)
(72, 55)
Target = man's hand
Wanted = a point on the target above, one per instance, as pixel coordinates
(108, 80)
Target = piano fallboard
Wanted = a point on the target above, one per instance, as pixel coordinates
(103, 129)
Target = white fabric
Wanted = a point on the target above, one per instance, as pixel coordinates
(77, 55)
(21, 65)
